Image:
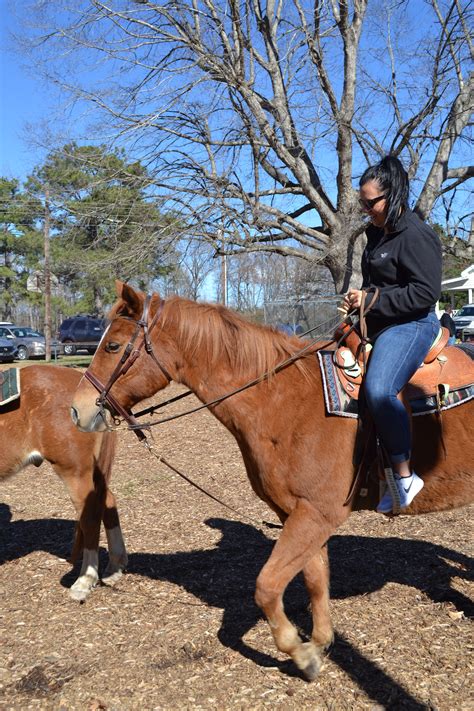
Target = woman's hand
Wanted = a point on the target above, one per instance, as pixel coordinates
(352, 300)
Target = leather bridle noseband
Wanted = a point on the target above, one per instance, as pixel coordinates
(129, 356)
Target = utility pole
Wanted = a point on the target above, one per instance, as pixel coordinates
(220, 233)
(47, 276)
(224, 279)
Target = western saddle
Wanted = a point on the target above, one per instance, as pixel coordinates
(445, 367)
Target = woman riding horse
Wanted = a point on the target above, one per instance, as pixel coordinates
(403, 260)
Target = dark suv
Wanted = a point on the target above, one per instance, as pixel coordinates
(81, 333)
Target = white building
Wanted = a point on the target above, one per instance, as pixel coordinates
(464, 282)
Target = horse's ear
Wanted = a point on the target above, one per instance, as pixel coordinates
(130, 297)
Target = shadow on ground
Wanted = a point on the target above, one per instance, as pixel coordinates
(224, 577)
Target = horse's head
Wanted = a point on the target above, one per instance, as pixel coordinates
(126, 367)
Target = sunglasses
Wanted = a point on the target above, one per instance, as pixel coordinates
(369, 204)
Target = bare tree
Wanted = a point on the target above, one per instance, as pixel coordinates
(255, 117)
(246, 282)
(197, 265)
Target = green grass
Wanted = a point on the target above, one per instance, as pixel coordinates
(75, 361)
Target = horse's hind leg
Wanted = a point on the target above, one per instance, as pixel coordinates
(304, 533)
(118, 557)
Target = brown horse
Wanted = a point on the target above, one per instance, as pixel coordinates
(298, 459)
(38, 427)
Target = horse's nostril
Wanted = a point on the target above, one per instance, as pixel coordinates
(74, 415)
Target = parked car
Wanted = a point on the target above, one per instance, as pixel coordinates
(7, 350)
(464, 321)
(81, 333)
(28, 342)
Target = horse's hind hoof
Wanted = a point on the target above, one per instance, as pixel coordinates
(110, 578)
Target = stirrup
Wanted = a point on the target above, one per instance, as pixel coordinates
(391, 493)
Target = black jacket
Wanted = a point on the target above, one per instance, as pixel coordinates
(406, 267)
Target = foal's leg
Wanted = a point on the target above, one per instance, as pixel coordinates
(88, 503)
(118, 557)
(304, 533)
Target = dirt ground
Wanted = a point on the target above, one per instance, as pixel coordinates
(181, 631)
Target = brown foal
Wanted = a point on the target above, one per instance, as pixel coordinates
(38, 427)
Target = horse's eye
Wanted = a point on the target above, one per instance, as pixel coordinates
(112, 347)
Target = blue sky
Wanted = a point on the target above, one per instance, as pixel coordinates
(25, 100)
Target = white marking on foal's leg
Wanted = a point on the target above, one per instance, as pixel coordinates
(118, 557)
(89, 576)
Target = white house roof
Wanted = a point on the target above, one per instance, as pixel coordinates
(460, 283)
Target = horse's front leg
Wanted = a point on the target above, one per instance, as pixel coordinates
(89, 504)
(89, 575)
(118, 557)
(304, 533)
(316, 577)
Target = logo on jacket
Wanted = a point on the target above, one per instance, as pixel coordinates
(383, 255)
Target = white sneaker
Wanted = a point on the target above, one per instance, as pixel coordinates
(408, 487)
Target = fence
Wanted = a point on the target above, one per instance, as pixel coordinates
(298, 316)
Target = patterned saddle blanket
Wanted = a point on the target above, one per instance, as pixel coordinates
(9, 385)
(426, 395)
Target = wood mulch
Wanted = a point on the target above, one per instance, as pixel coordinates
(181, 631)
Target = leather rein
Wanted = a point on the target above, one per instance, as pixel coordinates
(131, 353)
(136, 345)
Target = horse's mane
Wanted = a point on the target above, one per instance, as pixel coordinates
(249, 349)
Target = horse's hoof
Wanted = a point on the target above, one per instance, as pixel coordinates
(78, 594)
(308, 660)
(112, 577)
(312, 670)
(82, 588)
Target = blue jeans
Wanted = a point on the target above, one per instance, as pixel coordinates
(396, 355)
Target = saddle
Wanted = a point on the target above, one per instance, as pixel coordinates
(445, 367)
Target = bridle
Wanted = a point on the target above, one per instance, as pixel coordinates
(129, 356)
(132, 351)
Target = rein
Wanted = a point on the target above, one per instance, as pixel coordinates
(281, 366)
(153, 408)
(361, 323)
(130, 355)
(160, 458)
